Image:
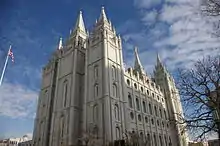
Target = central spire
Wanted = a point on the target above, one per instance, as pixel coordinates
(103, 16)
(80, 23)
(137, 64)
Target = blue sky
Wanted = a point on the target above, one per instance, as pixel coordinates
(174, 28)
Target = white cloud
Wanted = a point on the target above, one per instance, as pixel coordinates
(146, 3)
(17, 101)
(188, 34)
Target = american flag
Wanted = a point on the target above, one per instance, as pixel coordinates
(10, 54)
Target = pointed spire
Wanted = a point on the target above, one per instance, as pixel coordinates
(103, 15)
(80, 23)
(60, 46)
(137, 64)
(158, 59)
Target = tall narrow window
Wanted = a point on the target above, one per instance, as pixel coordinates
(95, 114)
(65, 92)
(137, 104)
(116, 112)
(130, 100)
(117, 133)
(165, 114)
(161, 142)
(96, 90)
(61, 127)
(150, 109)
(155, 140)
(113, 72)
(155, 108)
(114, 90)
(96, 72)
(148, 139)
(160, 112)
(144, 107)
(165, 138)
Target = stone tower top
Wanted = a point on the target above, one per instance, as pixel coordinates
(137, 64)
(80, 23)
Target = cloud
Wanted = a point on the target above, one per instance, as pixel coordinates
(177, 30)
(17, 101)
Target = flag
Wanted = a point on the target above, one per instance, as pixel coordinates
(10, 54)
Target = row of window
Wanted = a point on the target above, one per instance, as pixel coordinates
(130, 102)
(96, 72)
(114, 88)
(147, 91)
(139, 117)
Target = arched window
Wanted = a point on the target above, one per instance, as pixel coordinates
(95, 114)
(161, 141)
(150, 109)
(148, 140)
(165, 114)
(139, 118)
(165, 139)
(116, 110)
(96, 90)
(131, 115)
(141, 136)
(155, 140)
(144, 107)
(113, 72)
(96, 72)
(155, 108)
(117, 133)
(130, 100)
(160, 112)
(62, 127)
(65, 92)
(114, 90)
(137, 104)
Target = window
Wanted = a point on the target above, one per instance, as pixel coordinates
(131, 115)
(163, 124)
(95, 114)
(141, 135)
(170, 143)
(165, 138)
(130, 100)
(153, 95)
(96, 72)
(128, 82)
(144, 107)
(135, 85)
(150, 108)
(113, 72)
(148, 92)
(155, 140)
(137, 104)
(142, 90)
(146, 120)
(114, 90)
(117, 133)
(65, 91)
(165, 115)
(139, 118)
(155, 108)
(160, 112)
(96, 90)
(116, 109)
(61, 127)
(158, 123)
(161, 142)
(152, 121)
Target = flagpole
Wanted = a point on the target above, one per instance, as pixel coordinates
(3, 72)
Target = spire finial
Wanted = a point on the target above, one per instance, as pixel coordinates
(60, 46)
(102, 15)
(137, 64)
(158, 59)
(80, 23)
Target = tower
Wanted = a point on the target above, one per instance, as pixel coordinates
(104, 83)
(166, 81)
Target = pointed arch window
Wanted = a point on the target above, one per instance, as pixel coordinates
(137, 104)
(155, 109)
(150, 109)
(117, 133)
(65, 92)
(144, 107)
(113, 72)
(114, 90)
(130, 100)
(96, 72)
(96, 90)
(95, 114)
(116, 111)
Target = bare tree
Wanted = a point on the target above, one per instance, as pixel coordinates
(199, 88)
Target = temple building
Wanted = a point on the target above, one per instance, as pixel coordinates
(86, 89)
